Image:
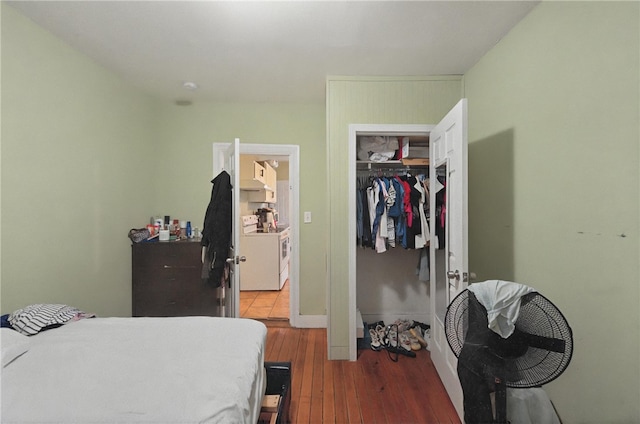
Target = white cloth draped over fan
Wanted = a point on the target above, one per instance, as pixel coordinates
(501, 299)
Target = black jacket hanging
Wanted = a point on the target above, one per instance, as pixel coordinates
(216, 232)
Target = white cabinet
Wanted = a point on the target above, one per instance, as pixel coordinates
(272, 178)
(253, 175)
(267, 193)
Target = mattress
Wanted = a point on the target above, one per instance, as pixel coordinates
(142, 370)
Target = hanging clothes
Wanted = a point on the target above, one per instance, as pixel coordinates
(359, 223)
(441, 211)
(390, 201)
(422, 239)
(408, 213)
(216, 232)
(397, 212)
(366, 220)
(392, 211)
(414, 222)
(377, 212)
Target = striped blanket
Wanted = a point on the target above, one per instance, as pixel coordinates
(35, 318)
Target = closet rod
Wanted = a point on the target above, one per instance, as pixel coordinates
(372, 171)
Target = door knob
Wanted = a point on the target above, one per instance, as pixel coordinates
(453, 274)
(236, 260)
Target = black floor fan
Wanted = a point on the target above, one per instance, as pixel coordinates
(537, 352)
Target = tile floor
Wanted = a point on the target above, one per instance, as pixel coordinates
(268, 305)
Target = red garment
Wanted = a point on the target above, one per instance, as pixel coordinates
(406, 201)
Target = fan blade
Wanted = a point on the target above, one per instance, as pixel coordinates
(541, 342)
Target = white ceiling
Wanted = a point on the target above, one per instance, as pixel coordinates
(274, 51)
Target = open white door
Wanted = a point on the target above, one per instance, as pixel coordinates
(449, 247)
(226, 157)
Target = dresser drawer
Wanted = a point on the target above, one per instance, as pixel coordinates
(166, 281)
(174, 298)
(161, 255)
(187, 272)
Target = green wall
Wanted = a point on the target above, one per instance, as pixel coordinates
(85, 157)
(75, 174)
(554, 184)
(554, 188)
(184, 169)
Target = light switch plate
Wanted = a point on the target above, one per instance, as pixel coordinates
(307, 217)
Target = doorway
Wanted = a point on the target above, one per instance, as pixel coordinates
(356, 130)
(264, 278)
(447, 157)
(287, 155)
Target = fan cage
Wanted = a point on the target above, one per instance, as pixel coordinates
(538, 316)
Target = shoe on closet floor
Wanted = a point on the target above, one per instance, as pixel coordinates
(424, 327)
(417, 335)
(391, 336)
(376, 332)
(405, 341)
(403, 325)
(415, 344)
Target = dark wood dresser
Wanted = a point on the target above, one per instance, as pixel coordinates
(166, 280)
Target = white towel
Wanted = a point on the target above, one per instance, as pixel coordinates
(501, 299)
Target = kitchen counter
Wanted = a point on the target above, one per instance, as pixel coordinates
(261, 232)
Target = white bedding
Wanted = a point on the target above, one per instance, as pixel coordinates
(143, 370)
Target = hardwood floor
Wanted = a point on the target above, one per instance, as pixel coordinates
(372, 389)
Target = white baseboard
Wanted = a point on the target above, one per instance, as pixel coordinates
(390, 318)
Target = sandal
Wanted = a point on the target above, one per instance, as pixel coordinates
(405, 342)
(415, 344)
(415, 332)
(391, 335)
(376, 331)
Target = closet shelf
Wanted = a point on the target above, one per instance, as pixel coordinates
(395, 164)
(371, 164)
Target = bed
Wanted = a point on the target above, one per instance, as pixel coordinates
(143, 370)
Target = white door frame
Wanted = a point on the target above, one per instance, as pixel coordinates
(354, 131)
(293, 153)
(453, 390)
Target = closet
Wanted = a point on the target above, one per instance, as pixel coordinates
(392, 260)
(367, 104)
